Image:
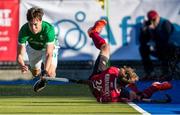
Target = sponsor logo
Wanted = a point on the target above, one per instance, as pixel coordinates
(5, 19)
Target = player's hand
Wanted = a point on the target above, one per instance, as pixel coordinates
(152, 26)
(24, 69)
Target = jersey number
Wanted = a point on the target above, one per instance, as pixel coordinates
(97, 84)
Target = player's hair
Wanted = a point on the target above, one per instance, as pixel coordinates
(34, 12)
(129, 73)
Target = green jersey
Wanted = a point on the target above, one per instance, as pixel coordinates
(40, 40)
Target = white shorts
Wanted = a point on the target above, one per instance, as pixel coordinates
(36, 57)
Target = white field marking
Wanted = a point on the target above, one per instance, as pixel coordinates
(138, 108)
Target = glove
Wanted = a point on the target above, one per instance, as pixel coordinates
(44, 73)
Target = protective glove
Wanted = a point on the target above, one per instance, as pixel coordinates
(43, 73)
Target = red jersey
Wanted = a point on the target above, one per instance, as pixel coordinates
(104, 86)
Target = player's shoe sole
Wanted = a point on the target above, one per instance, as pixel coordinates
(98, 26)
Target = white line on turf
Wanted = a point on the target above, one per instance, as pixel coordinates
(138, 108)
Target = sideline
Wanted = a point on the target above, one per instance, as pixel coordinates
(139, 109)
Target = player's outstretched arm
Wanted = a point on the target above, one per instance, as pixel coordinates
(20, 54)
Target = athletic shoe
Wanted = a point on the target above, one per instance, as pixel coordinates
(98, 26)
(39, 85)
(162, 86)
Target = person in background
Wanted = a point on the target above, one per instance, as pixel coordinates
(37, 38)
(154, 41)
(109, 83)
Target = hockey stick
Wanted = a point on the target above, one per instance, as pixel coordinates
(66, 80)
(167, 99)
(56, 79)
(41, 83)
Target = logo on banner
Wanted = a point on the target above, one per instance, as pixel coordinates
(126, 26)
(70, 41)
(5, 19)
(74, 37)
(9, 22)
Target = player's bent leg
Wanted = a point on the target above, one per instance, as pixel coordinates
(156, 86)
(162, 86)
(98, 40)
(94, 33)
(105, 50)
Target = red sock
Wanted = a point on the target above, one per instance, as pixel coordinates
(133, 87)
(147, 93)
(98, 40)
